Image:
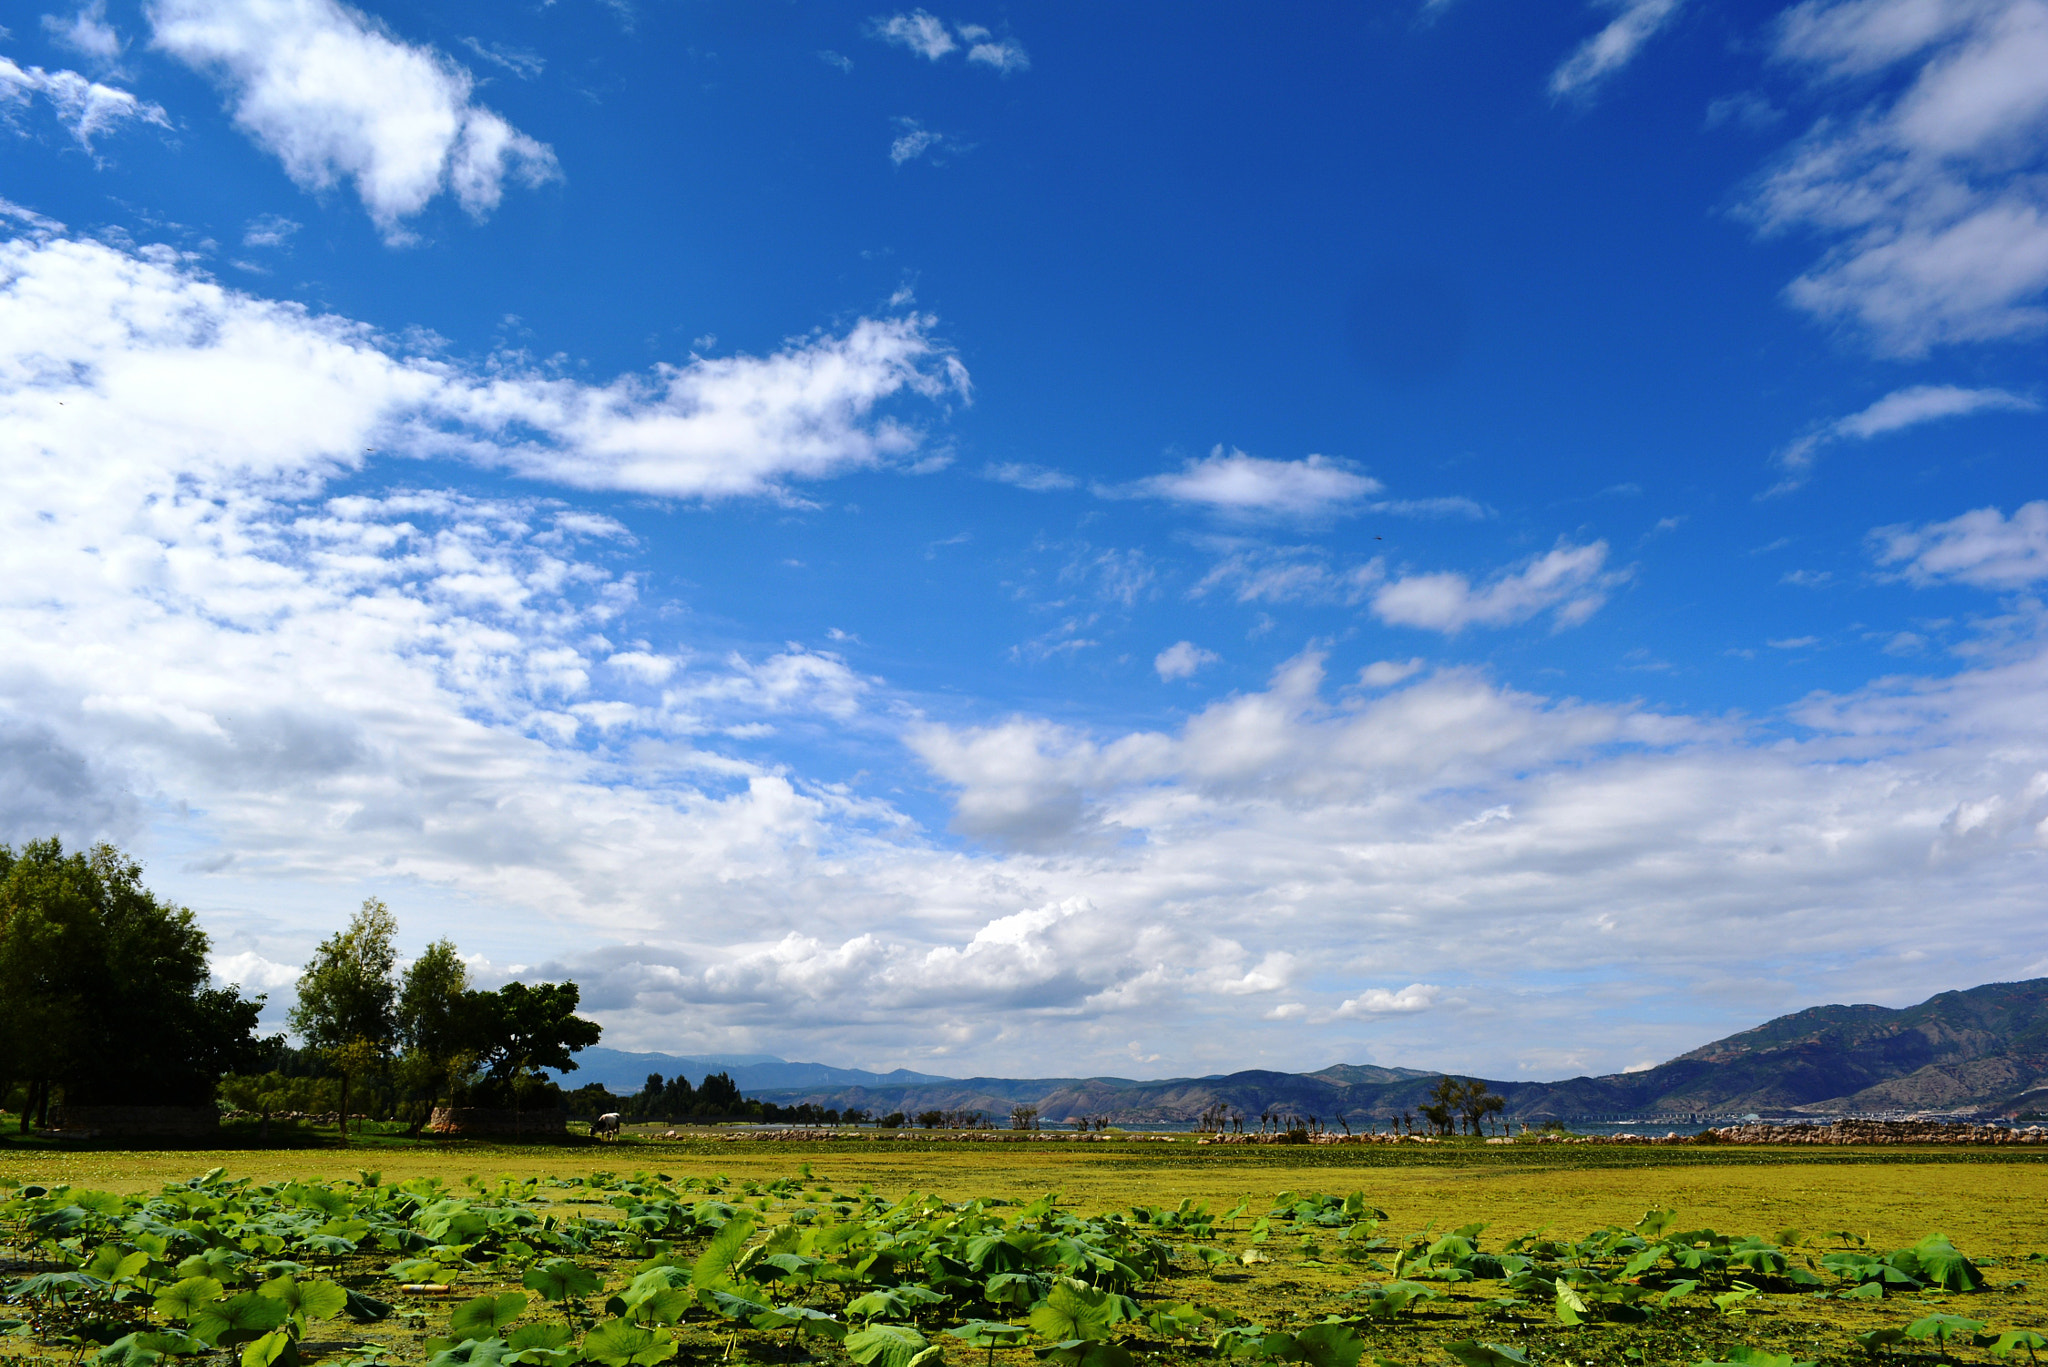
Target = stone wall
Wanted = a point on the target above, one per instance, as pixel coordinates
(136, 1122)
(476, 1120)
(1880, 1132)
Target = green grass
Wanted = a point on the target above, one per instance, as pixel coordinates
(1993, 1203)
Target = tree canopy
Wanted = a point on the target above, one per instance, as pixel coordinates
(108, 993)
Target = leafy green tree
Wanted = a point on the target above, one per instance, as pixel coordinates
(348, 994)
(435, 1027)
(520, 1030)
(107, 991)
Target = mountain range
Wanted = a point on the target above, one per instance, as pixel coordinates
(1980, 1051)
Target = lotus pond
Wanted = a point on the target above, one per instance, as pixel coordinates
(1093, 1257)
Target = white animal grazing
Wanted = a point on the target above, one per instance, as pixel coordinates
(605, 1126)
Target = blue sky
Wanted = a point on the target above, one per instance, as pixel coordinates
(1123, 539)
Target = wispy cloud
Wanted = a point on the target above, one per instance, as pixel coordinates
(518, 61)
(913, 141)
(1931, 190)
(86, 32)
(84, 107)
(1005, 55)
(1571, 581)
(1984, 548)
(1039, 479)
(1635, 22)
(921, 31)
(924, 33)
(1896, 411)
(1233, 482)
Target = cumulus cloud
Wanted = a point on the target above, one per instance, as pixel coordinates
(292, 683)
(1570, 581)
(1378, 1001)
(1900, 409)
(252, 972)
(1635, 22)
(85, 107)
(334, 96)
(1182, 660)
(1387, 673)
(1929, 190)
(1982, 548)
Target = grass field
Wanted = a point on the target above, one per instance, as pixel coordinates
(1992, 1203)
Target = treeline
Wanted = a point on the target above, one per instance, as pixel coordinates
(396, 1045)
(105, 995)
(718, 1097)
(106, 999)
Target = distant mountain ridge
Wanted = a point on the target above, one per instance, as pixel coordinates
(1980, 1051)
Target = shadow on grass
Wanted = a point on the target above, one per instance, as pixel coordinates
(246, 1135)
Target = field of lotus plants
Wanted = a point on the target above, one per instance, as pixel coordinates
(635, 1271)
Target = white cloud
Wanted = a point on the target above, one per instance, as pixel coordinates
(1635, 22)
(913, 140)
(1983, 548)
(287, 697)
(920, 31)
(521, 63)
(87, 33)
(1039, 479)
(1571, 580)
(1387, 673)
(223, 380)
(1900, 409)
(1378, 1001)
(1933, 198)
(335, 97)
(85, 107)
(269, 230)
(1234, 482)
(1005, 55)
(1182, 660)
(1255, 573)
(252, 972)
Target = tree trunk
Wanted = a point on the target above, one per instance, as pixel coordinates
(344, 1110)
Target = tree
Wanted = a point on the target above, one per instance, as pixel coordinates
(522, 1030)
(433, 1025)
(348, 994)
(107, 990)
(1478, 1103)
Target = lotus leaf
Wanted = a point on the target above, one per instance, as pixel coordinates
(560, 1280)
(1471, 1353)
(482, 1317)
(182, 1300)
(885, 1345)
(275, 1349)
(1942, 1328)
(618, 1344)
(2011, 1339)
(801, 1319)
(248, 1316)
(1088, 1353)
(1072, 1312)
